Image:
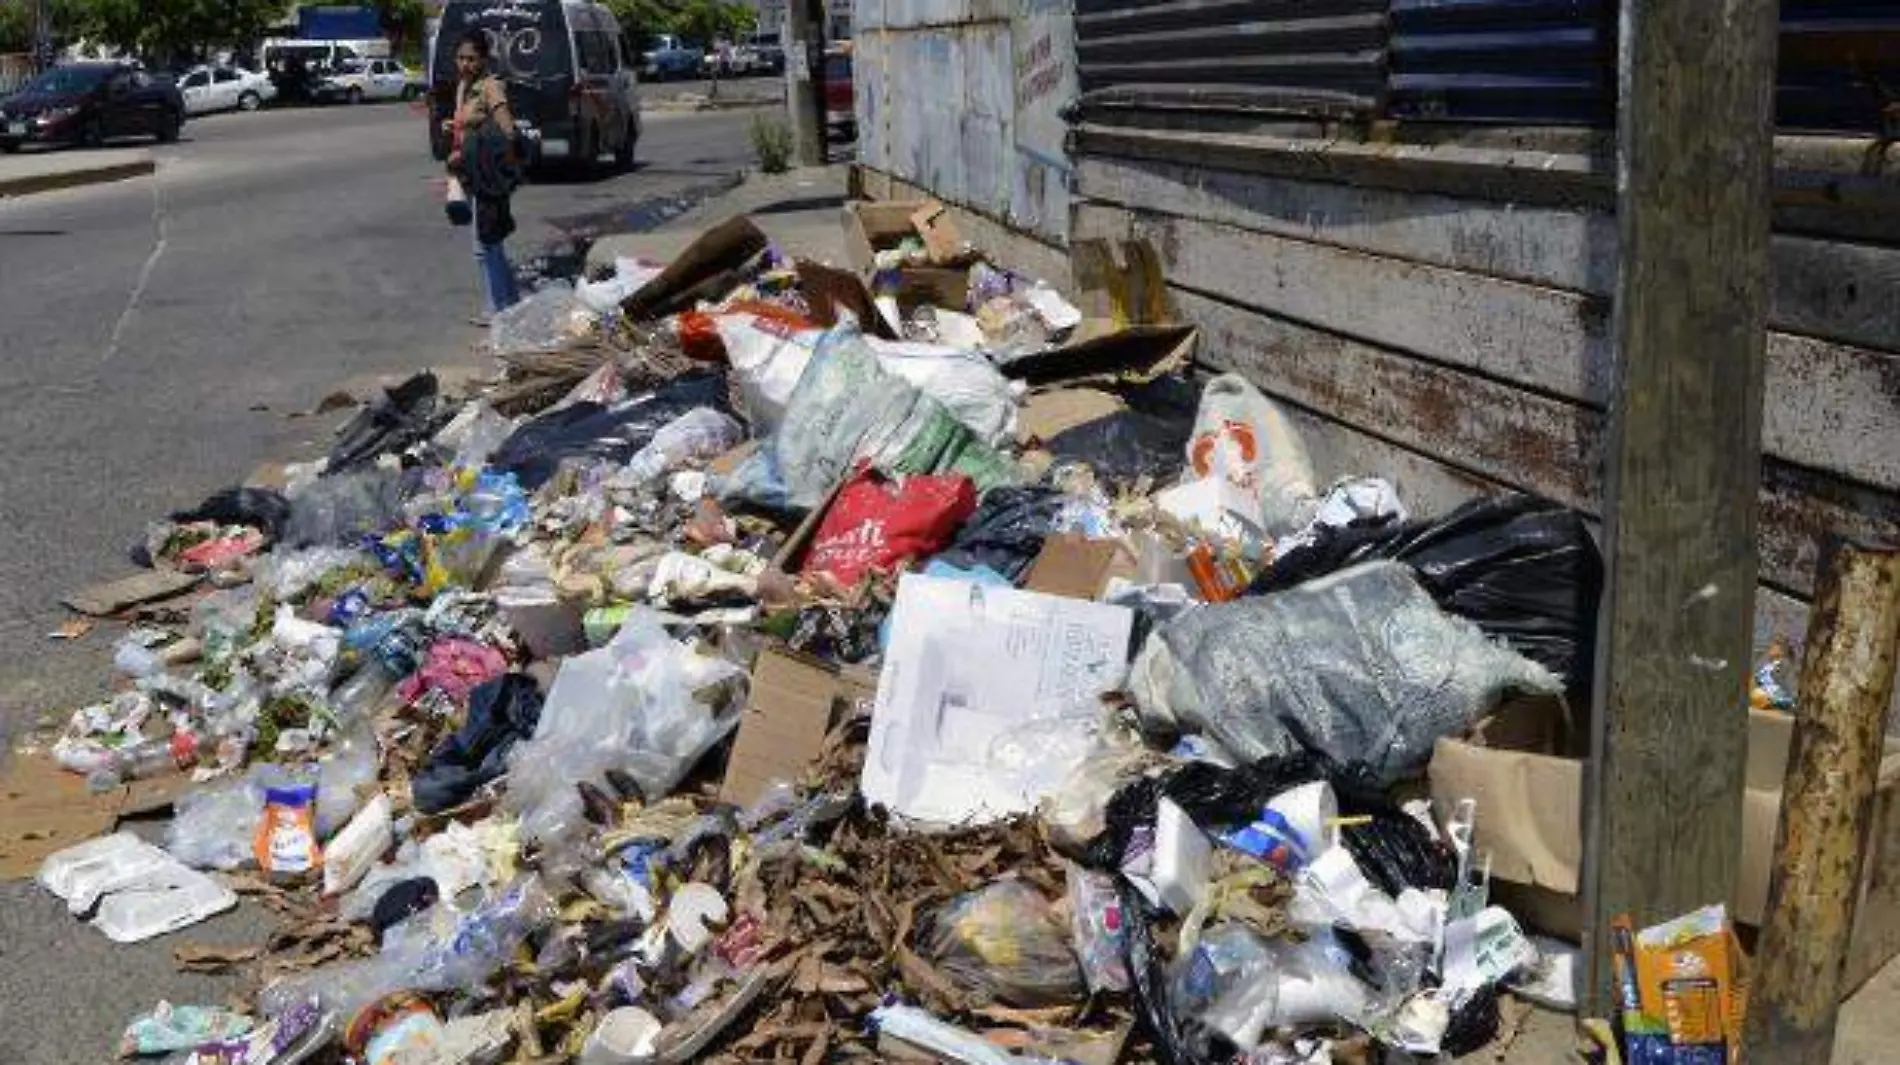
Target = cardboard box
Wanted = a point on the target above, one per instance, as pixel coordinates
(1075, 566)
(794, 702)
(1529, 790)
(872, 226)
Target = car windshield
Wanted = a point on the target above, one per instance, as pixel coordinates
(67, 79)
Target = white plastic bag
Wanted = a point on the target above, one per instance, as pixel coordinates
(769, 357)
(544, 321)
(1246, 439)
(214, 824)
(967, 385)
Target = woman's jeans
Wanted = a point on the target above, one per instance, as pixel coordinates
(498, 277)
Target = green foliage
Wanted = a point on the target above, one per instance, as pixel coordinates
(402, 21)
(772, 142)
(700, 21)
(162, 30)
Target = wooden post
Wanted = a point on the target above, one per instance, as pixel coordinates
(1826, 806)
(1683, 463)
(805, 80)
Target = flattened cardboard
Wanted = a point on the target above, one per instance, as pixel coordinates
(1074, 565)
(708, 268)
(1045, 414)
(44, 809)
(792, 705)
(941, 240)
(110, 597)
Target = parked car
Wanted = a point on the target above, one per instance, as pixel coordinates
(770, 53)
(358, 81)
(670, 58)
(89, 103)
(570, 82)
(208, 89)
(732, 61)
(841, 117)
(297, 67)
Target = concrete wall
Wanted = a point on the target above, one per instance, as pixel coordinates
(963, 98)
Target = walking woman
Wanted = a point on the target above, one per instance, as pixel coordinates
(483, 157)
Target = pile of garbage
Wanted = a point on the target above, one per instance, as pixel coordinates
(788, 662)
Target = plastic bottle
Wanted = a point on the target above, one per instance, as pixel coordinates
(149, 758)
(699, 433)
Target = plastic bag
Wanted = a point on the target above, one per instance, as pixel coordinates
(168, 1028)
(392, 422)
(1361, 666)
(875, 524)
(965, 383)
(1524, 569)
(1007, 531)
(544, 321)
(263, 509)
(215, 824)
(846, 408)
(1096, 920)
(341, 510)
(634, 706)
(350, 768)
(473, 435)
(1004, 941)
(605, 433)
(501, 713)
(1245, 439)
(768, 353)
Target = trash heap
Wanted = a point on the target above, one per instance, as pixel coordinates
(788, 662)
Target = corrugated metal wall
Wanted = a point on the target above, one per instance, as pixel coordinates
(964, 97)
(1531, 61)
(1278, 55)
(1840, 66)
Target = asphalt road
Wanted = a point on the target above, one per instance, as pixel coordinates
(155, 336)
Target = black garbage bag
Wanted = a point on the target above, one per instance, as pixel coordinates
(1149, 439)
(591, 430)
(263, 509)
(1007, 530)
(1522, 568)
(501, 713)
(400, 418)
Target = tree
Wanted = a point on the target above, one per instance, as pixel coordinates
(402, 21)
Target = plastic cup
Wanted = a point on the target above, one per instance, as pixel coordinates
(1308, 810)
(624, 1036)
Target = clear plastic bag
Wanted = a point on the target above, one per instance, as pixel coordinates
(1005, 941)
(344, 508)
(633, 705)
(350, 768)
(545, 321)
(288, 575)
(214, 824)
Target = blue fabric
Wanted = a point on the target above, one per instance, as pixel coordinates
(498, 276)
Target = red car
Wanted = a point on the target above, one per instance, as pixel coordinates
(841, 119)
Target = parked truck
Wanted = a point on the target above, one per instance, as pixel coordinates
(670, 58)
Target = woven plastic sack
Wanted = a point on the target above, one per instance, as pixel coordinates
(1359, 665)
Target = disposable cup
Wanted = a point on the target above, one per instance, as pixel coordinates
(1308, 810)
(625, 1036)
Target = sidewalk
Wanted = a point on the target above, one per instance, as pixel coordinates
(797, 209)
(44, 171)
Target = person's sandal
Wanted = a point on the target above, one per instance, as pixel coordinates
(480, 321)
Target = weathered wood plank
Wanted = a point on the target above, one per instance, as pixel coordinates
(1520, 439)
(1429, 486)
(1823, 185)
(1829, 407)
(1682, 462)
(1833, 290)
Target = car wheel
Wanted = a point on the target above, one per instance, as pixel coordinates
(355, 96)
(169, 126)
(249, 102)
(94, 133)
(623, 155)
(408, 93)
(9, 147)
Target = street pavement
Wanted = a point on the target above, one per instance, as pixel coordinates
(156, 335)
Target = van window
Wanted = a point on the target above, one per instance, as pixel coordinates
(598, 55)
(527, 37)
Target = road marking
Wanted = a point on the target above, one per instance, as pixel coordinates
(161, 224)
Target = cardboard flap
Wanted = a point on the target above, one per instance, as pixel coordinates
(1135, 354)
(708, 268)
(829, 290)
(791, 707)
(1530, 810)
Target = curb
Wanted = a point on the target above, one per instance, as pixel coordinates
(67, 179)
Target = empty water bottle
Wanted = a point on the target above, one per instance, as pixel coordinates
(699, 433)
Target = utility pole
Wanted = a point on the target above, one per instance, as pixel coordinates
(804, 44)
(42, 36)
(1683, 464)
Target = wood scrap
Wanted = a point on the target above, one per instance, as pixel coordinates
(110, 597)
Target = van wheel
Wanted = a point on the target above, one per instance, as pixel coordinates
(356, 96)
(623, 155)
(169, 126)
(249, 102)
